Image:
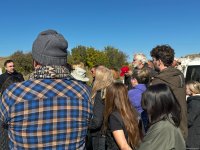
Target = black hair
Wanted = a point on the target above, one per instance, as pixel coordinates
(160, 103)
(10, 80)
(7, 61)
(163, 52)
(69, 67)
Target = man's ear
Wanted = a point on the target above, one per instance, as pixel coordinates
(160, 62)
(161, 65)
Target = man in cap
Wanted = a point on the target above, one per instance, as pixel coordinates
(51, 110)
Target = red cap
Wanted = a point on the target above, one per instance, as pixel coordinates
(124, 70)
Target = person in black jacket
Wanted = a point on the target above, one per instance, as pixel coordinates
(103, 78)
(6, 79)
(10, 71)
(193, 105)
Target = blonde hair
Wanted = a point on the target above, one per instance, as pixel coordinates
(194, 87)
(141, 75)
(103, 79)
(140, 57)
(80, 65)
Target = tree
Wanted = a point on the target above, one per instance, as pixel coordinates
(79, 54)
(95, 57)
(23, 62)
(115, 57)
(69, 57)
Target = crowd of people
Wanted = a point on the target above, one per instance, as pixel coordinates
(145, 106)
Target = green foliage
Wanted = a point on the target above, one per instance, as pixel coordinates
(79, 54)
(110, 57)
(3, 70)
(95, 57)
(69, 58)
(23, 62)
(116, 57)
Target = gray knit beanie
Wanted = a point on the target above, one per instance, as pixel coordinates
(50, 48)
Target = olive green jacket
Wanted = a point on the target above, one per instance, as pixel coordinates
(163, 135)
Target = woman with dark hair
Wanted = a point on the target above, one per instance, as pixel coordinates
(4, 140)
(10, 80)
(120, 119)
(164, 116)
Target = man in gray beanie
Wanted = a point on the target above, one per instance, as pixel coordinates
(51, 110)
(50, 48)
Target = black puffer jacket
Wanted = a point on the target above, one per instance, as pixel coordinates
(6, 75)
(193, 140)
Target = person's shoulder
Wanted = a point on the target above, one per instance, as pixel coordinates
(135, 91)
(193, 102)
(18, 74)
(116, 115)
(159, 131)
(75, 83)
(163, 127)
(19, 85)
(171, 70)
(2, 75)
(13, 93)
(194, 98)
(75, 86)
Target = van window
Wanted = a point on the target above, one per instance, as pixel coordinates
(193, 73)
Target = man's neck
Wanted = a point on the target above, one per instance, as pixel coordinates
(10, 72)
(162, 68)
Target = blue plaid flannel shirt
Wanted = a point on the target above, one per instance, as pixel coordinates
(46, 114)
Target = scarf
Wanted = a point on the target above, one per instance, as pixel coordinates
(51, 72)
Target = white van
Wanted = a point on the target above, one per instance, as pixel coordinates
(192, 70)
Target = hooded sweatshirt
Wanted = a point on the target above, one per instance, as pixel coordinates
(175, 80)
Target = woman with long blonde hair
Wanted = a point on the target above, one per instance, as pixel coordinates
(120, 119)
(103, 78)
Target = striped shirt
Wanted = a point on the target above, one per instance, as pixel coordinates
(46, 114)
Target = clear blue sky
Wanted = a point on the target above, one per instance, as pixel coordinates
(129, 25)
